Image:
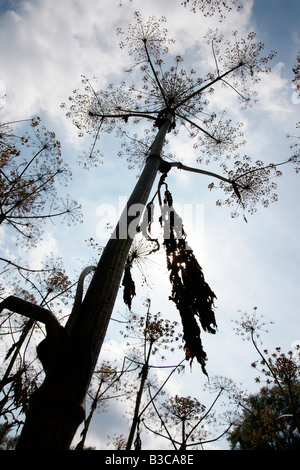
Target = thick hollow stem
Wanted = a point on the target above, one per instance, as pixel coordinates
(99, 300)
(56, 409)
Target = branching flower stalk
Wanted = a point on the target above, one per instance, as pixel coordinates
(283, 370)
(28, 194)
(156, 333)
(189, 414)
(136, 415)
(109, 377)
(57, 284)
(275, 374)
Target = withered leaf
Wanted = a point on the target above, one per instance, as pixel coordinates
(129, 287)
(190, 292)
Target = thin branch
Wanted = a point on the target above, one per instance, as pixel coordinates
(20, 176)
(208, 85)
(210, 440)
(46, 216)
(234, 89)
(159, 434)
(180, 166)
(162, 386)
(155, 75)
(270, 165)
(267, 364)
(122, 116)
(17, 228)
(234, 181)
(6, 177)
(33, 158)
(23, 268)
(205, 414)
(16, 122)
(197, 126)
(161, 420)
(213, 49)
(96, 137)
(36, 190)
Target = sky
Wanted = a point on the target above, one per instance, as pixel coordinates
(45, 48)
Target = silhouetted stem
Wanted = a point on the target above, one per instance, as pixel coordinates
(56, 409)
(180, 166)
(136, 416)
(208, 85)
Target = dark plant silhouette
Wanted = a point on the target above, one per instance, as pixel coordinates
(31, 169)
(269, 419)
(168, 98)
(188, 424)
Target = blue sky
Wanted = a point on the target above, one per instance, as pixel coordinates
(46, 46)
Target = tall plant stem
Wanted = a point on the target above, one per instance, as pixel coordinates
(99, 300)
(69, 356)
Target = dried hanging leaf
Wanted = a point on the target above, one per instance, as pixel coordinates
(191, 294)
(129, 286)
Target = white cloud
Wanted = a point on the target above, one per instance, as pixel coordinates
(36, 255)
(47, 46)
(274, 92)
(46, 247)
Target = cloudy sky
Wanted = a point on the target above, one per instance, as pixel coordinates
(45, 48)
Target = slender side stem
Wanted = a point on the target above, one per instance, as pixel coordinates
(266, 363)
(161, 435)
(124, 115)
(7, 261)
(180, 166)
(155, 75)
(23, 336)
(136, 416)
(205, 415)
(20, 176)
(270, 165)
(80, 445)
(162, 386)
(204, 87)
(198, 127)
(162, 422)
(211, 440)
(287, 396)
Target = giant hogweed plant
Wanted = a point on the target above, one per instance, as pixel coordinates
(159, 88)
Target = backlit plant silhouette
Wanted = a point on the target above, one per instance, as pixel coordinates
(31, 173)
(31, 169)
(172, 100)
